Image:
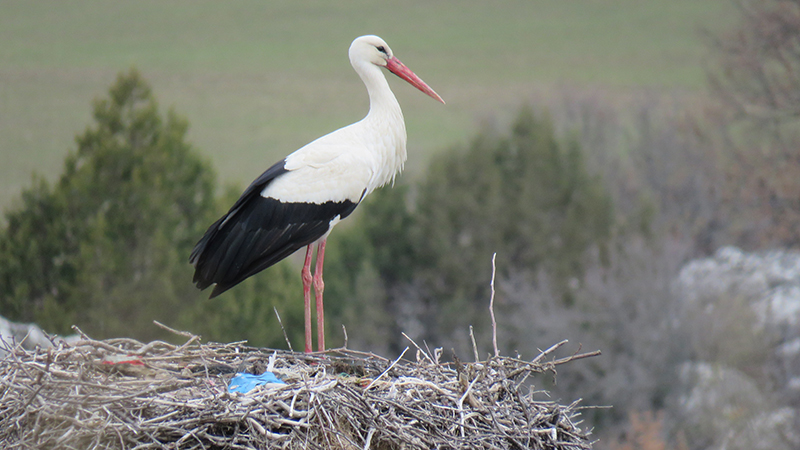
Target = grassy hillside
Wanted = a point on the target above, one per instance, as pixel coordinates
(258, 79)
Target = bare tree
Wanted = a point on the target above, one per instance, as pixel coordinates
(756, 76)
(758, 73)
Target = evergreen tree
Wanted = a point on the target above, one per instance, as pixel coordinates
(105, 247)
(526, 196)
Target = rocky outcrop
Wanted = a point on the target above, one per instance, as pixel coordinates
(725, 407)
(770, 280)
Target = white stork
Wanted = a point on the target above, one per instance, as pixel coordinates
(296, 202)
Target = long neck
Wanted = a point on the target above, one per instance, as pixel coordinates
(382, 102)
(385, 119)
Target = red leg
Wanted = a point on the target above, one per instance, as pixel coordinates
(306, 274)
(319, 286)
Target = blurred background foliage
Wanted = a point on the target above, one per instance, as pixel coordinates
(592, 198)
(104, 245)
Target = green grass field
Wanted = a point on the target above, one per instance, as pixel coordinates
(258, 79)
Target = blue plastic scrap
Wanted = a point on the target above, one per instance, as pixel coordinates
(246, 382)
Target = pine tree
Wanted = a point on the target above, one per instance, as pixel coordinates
(527, 196)
(105, 247)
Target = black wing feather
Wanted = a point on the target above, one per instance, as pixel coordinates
(258, 232)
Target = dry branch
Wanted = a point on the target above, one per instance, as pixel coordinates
(70, 397)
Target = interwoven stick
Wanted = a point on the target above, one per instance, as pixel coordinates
(70, 396)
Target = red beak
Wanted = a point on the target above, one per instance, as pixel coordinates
(396, 67)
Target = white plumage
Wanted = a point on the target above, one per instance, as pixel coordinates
(296, 202)
(362, 156)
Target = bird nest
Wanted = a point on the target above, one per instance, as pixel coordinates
(125, 394)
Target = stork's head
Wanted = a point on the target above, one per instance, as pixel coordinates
(374, 50)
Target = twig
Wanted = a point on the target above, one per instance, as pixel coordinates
(491, 308)
(418, 348)
(387, 369)
(368, 440)
(80, 332)
(461, 403)
(280, 322)
(172, 330)
(576, 357)
(474, 345)
(548, 351)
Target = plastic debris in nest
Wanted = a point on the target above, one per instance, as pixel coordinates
(246, 382)
(178, 397)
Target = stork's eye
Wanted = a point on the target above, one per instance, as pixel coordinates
(381, 49)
